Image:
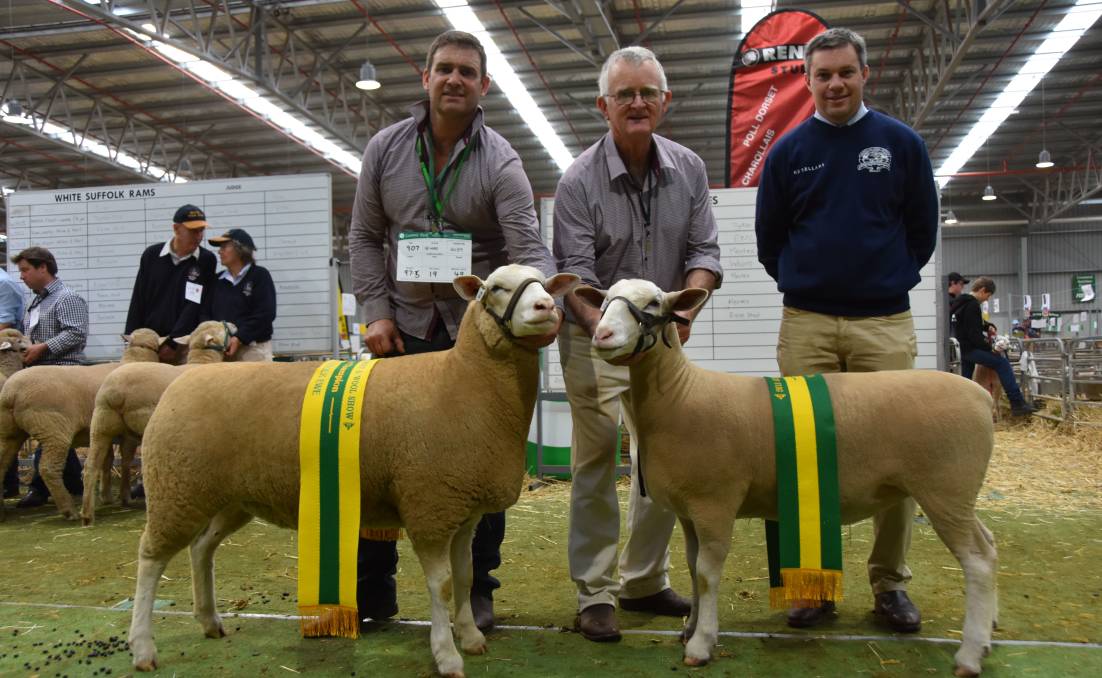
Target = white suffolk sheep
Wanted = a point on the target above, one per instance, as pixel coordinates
(707, 452)
(125, 402)
(53, 404)
(442, 443)
(12, 347)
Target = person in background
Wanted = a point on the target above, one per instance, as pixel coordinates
(976, 347)
(847, 216)
(11, 316)
(56, 323)
(244, 295)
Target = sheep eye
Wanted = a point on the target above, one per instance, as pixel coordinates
(497, 288)
(653, 304)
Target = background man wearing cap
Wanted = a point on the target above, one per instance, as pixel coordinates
(847, 215)
(56, 323)
(440, 170)
(244, 295)
(173, 278)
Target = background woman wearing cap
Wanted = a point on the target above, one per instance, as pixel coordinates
(244, 295)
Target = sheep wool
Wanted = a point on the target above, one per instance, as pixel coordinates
(329, 498)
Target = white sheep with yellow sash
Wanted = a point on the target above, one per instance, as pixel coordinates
(442, 442)
(706, 447)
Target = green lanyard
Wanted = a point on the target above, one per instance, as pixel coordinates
(429, 174)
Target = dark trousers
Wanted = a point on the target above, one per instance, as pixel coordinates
(997, 362)
(72, 475)
(377, 561)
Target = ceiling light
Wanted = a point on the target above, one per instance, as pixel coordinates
(1044, 160)
(989, 192)
(951, 218)
(367, 78)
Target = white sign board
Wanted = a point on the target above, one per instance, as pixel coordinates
(98, 234)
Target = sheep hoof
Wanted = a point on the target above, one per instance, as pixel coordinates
(965, 672)
(215, 631)
(86, 522)
(475, 648)
(695, 661)
(454, 674)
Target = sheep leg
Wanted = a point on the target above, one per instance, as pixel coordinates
(973, 546)
(98, 462)
(692, 551)
(714, 541)
(9, 447)
(150, 569)
(127, 448)
(470, 638)
(434, 557)
(202, 549)
(51, 468)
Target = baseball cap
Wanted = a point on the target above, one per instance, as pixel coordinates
(190, 216)
(958, 278)
(236, 234)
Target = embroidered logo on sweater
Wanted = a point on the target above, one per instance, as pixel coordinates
(193, 274)
(874, 159)
(248, 289)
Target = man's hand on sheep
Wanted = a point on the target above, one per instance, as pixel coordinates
(167, 352)
(383, 337)
(34, 353)
(232, 346)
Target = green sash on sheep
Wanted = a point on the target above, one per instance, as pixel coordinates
(329, 498)
(805, 544)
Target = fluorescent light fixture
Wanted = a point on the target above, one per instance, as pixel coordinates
(951, 218)
(367, 79)
(1044, 159)
(989, 192)
(1076, 22)
(754, 11)
(462, 17)
(12, 112)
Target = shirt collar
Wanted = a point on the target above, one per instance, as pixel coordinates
(167, 249)
(226, 275)
(52, 288)
(861, 111)
(661, 158)
(420, 113)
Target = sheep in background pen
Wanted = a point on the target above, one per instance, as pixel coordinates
(53, 404)
(442, 442)
(706, 448)
(125, 402)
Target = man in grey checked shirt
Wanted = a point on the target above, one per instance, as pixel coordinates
(480, 189)
(633, 205)
(56, 323)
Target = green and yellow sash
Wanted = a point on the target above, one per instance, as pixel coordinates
(329, 498)
(805, 544)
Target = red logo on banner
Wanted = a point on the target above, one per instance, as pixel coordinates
(767, 95)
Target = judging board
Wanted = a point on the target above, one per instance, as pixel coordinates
(737, 330)
(98, 234)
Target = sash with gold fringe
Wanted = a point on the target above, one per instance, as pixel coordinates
(329, 498)
(805, 544)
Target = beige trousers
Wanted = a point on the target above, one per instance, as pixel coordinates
(599, 396)
(813, 343)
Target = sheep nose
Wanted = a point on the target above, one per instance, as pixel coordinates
(603, 334)
(543, 305)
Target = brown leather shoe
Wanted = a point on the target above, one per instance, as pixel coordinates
(896, 611)
(806, 617)
(482, 607)
(598, 623)
(666, 602)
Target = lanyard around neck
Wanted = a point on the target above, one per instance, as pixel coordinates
(433, 182)
(650, 188)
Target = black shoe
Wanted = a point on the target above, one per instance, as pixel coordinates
(806, 617)
(138, 491)
(1022, 409)
(666, 602)
(598, 623)
(381, 612)
(482, 607)
(34, 499)
(896, 611)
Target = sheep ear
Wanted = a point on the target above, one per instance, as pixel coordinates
(590, 295)
(125, 337)
(183, 341)
(685, 300)
(467, 286)
(6, 346)
(561, 283)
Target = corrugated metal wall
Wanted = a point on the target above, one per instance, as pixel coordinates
(1054, 255)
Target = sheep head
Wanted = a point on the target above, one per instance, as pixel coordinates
(634, 314)
(13, 345)
(143, 338)
(524, 310)
(211, 334)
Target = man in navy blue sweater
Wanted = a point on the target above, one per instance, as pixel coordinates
(847, 214)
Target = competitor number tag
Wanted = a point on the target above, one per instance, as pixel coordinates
(433, 257)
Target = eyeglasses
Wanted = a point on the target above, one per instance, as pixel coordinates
(626, 97)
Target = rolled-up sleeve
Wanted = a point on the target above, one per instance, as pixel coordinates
(516, 213)
(703, 245)
(366, 237)
(574, 241)
(72, 317)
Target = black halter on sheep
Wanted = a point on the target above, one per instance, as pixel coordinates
(222, 447)
(706, 444)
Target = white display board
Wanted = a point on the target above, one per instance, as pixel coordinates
(98, 234)
(738, 328)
